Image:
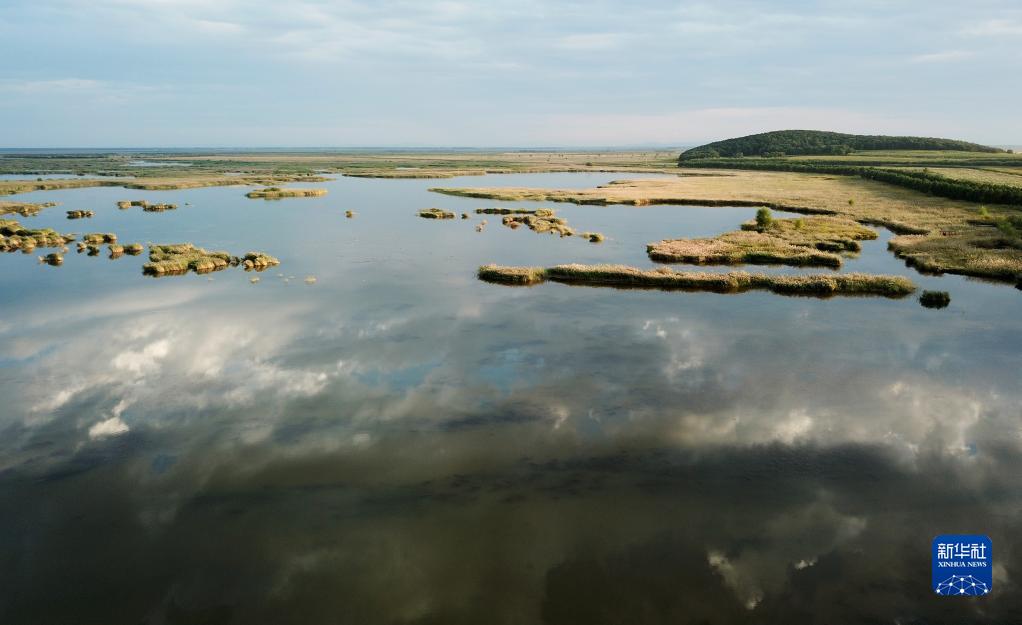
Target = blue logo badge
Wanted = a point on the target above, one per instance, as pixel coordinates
(962, 565)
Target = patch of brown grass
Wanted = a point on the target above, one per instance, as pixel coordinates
(733, 282)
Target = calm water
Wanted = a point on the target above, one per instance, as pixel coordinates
(401, 443)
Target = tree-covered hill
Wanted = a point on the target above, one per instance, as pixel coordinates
(818, 142)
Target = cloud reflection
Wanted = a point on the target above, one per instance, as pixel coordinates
(293, 464)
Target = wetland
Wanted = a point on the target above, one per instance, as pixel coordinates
(361, 428)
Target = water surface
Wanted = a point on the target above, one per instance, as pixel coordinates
(401, 443)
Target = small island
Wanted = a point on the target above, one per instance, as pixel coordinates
(276, 193)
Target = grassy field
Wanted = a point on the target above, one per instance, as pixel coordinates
(810, 241)
(164, 183)
(1006, 175)
(205, 169)
(897, 157)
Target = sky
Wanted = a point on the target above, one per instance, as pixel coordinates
(245, 73)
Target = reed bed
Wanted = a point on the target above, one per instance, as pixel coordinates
(622, 276)
(276, 193)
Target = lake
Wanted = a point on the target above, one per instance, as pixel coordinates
(402, 443)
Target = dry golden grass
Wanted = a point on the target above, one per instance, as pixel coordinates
(808, 241)
(954, 240)
(11, 187)
(622, 276)
(181, 258)
(276, 193)
(541, 221)
(1008, 176)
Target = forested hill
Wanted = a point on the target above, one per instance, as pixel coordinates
(818, 142)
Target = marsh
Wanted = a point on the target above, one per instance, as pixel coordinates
(396, 441)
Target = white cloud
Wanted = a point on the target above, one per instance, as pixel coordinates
(61, 85)
(590, 41)
(218, 27)
(113, 426)
(993, 28)
(147, 359)
(942, 57)
(689, 126)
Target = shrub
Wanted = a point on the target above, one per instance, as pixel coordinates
(935, 299)
(764, 218)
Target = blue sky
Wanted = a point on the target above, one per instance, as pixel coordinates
(501, 72)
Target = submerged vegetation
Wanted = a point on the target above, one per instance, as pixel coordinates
(25, 209)
(276, 193)
(733, 282)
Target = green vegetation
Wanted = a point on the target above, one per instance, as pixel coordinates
(100, 237)
(538, 212)
(816, 142)
(734, 282)
(14, 237)
(924, 181)
(972, 254)
(935, 299)
(810, 241)
(258, 261)
(276, 193)
(546, 222)
(276, 168)
(177, 259)
(182, 257)
(512, 275)
(25, 209)
(166, 181)
(943, 235)
(764, 218)
(435, 213)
